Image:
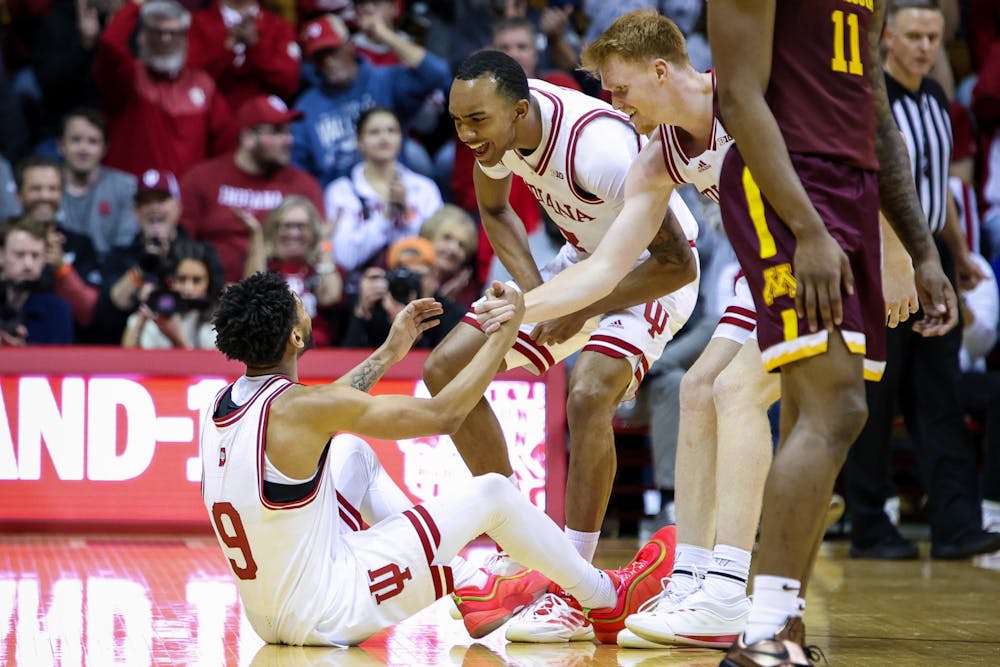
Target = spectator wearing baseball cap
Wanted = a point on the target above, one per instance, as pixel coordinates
(346, 84)
(382, 294)
(156, 184)
(327, 33)
(157, 252)
(265, 110)
(247, 49)
(219, 193)
(411, 251)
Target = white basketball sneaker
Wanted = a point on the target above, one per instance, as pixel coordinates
(700, 620)
(628, 639)
(670, 597)
(555, 617)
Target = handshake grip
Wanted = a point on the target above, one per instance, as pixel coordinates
(501, 303)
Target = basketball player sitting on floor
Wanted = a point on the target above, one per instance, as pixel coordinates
(287, 499)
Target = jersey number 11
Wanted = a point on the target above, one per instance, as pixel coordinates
(839, 63)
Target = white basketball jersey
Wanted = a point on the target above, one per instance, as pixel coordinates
(702, 169)
(551, 171)
(280, 553)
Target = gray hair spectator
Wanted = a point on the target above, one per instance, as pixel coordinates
(144, 129)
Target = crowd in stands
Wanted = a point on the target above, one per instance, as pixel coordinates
(164, 148)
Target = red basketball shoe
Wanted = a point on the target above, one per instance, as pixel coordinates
(486, 609)
(635, 583)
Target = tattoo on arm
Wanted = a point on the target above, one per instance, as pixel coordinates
(670, 246)
(367, 373)
(897, 192)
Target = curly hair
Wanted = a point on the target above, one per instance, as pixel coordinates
(510, 79)
(254, 319)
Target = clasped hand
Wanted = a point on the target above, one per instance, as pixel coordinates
(501, 303)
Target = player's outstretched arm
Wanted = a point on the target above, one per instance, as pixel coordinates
(742, 40)
(593, 279)
(412, 321)
(670, 266)
(504, 228)
(333, 408)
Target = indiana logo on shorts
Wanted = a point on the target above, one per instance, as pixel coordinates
(778, 281)
(387, 581)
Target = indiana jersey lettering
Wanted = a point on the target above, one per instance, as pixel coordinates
(577, 173)
(306, 571)
(701, 169)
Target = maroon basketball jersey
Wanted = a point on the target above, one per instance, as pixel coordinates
(819, 90)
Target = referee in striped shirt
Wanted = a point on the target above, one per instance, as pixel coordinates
(922, 373)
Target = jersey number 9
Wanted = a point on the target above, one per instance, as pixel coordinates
(234, 536)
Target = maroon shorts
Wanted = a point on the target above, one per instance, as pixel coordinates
(846, 198)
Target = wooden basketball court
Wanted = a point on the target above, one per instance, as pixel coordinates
(110, 600)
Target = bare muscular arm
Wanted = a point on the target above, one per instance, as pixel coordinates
(897, 193)
(590, 284)
(303, 418)
(505, 229)
(671, 266)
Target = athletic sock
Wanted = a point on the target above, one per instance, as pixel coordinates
(728, 574)
(774, 600)
(584, 543)
(465, 574)
(800, 608)
(690, 564)
(595, 591)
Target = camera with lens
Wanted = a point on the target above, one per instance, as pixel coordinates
(164, 301)
(403, 284)
(154, 261)
(156, 267)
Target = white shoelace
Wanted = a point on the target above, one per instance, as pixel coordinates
(550, 608)
(670, 596)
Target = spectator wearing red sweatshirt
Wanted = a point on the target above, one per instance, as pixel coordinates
(254, 179)
(161, 112)
(246, 49)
